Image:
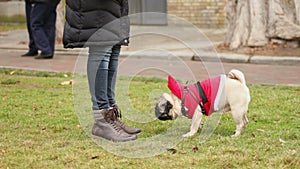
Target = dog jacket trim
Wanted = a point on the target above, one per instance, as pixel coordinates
(220, 92)
(212, 87)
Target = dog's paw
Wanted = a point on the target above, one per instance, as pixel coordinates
(235, 134)
(189, 134)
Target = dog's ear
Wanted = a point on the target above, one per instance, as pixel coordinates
(169, 105)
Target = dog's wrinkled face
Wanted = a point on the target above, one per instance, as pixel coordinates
(163, 109)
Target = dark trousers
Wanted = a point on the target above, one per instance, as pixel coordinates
(43, 18)
(31, 45)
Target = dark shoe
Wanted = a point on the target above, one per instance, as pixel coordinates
(107, 129)
(127, 129)
(44, 56)
(30, 53)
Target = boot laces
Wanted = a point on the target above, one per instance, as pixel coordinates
(118, 116)
(111, 118)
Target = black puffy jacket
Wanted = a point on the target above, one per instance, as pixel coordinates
(96, 22)
(52, 2)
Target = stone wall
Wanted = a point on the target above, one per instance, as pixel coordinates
(11, 8)
(202, 13)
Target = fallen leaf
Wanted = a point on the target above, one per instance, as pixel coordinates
(172, 150)
(68, 82)
(281, 140)
(195, 148)
(94, 157)
(4, 96)
(12, 72)
(293, 152)
(276, 121)
(261, 130)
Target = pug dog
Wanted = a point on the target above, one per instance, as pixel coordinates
(222, 93)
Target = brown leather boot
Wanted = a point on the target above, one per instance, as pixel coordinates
(105, 127)
(118, 123)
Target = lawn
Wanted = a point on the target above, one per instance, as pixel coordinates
(12, 23)
(40, 128)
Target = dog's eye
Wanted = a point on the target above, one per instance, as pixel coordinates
(163, 105)
(170, 106)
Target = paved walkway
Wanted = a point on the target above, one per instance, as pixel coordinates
(150, 55)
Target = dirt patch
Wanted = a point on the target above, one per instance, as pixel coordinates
(275, 48)
(269, 50)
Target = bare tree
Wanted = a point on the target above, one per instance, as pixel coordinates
(255, 23)
(60, 20)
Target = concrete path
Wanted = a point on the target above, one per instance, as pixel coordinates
(153, 55)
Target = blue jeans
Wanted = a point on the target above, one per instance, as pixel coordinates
(43, 18)
(102, 73)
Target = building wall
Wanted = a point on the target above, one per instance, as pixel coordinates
(202, 13)
(11, 8)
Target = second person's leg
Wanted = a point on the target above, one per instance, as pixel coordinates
(39, 16)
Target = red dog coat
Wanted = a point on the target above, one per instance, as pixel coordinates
(212, 88)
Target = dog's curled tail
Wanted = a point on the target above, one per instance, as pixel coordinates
(237, 75)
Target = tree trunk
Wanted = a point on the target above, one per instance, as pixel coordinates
(254, 23)
(60, 20)
(297, 3)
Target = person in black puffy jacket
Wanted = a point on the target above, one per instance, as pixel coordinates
(42, 24)
(102, 26)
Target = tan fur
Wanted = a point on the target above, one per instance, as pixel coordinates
(235, 97)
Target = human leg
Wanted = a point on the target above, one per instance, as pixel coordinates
(38, 17)
(104, 116)
(32, 51)
(112, 76)
(97, 71)
(50, 28)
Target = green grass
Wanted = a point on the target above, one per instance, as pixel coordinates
(12, 23)
(13, 19)
(40, 129)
